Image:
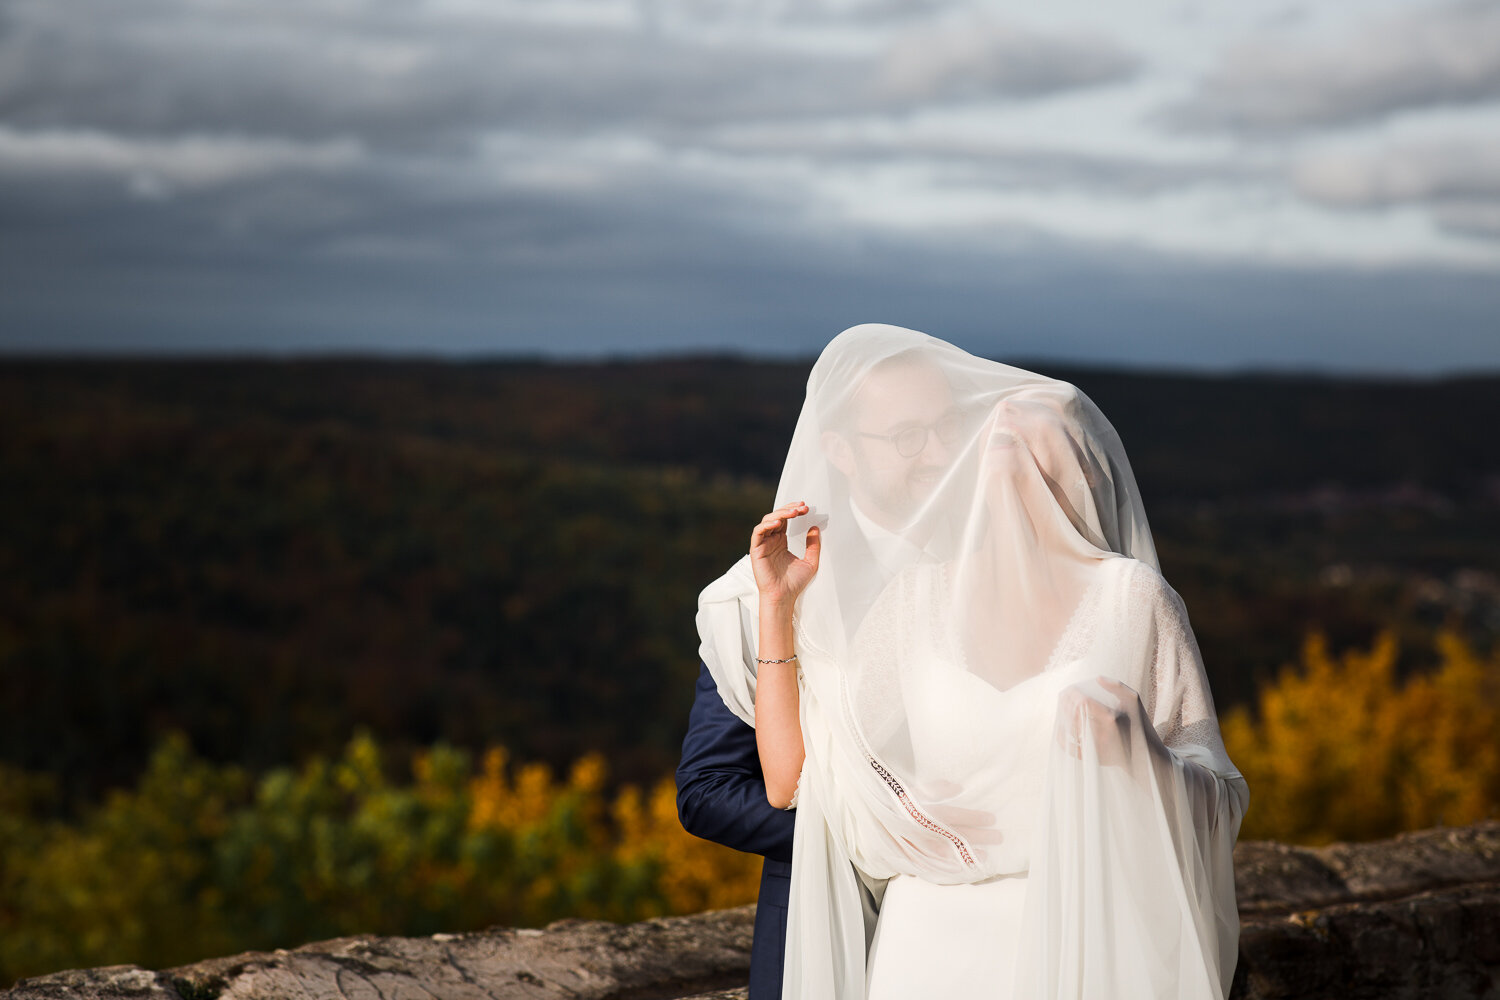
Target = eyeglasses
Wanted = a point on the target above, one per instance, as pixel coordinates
(910, 441)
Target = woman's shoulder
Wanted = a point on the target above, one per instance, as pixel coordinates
(1143, 587)
(1139, 575)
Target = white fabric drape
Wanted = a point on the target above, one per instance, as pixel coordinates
(995, 679)
(1132, 873)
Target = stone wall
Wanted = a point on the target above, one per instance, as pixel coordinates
(1413, 917)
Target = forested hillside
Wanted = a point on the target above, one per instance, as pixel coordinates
(268, 555)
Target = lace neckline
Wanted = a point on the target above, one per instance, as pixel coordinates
(1072, 638)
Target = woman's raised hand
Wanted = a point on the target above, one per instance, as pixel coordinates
(779, 575)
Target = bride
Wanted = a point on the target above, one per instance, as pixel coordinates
(986, 704)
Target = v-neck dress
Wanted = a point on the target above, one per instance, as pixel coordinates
(959, 941)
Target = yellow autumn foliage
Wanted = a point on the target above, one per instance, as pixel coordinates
(694, 874)
(201, 859)
(1338, 748)
(638, 831)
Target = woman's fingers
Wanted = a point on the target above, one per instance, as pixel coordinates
(777, 571)
(772, 522)
(814, 547)
(776, 519)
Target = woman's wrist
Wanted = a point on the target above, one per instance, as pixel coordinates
(777, 609)
(776, 641)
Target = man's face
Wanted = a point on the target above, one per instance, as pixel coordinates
(888, 486)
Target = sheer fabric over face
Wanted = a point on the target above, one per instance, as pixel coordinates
(987, 586)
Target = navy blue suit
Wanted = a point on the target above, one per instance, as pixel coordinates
(721, 796)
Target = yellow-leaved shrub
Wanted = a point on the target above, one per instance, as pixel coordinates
(1339, 749)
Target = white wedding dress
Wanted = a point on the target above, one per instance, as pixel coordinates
(951, 941)
(1100, 879)
(961, 940)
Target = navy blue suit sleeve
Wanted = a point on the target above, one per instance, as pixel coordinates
(721, 794)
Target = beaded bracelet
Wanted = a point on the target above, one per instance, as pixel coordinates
(789, 659)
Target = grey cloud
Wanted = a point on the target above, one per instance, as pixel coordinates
(410, 76)
(978, 57)
(1406, 173)
(977, 161)
(1479, 220)
(699, 287)
(154, 167)
(1457, 181)
(1441, 55)
(866, 11)
(368, 174)
(437, 210)
(381, 132)
(792, 12)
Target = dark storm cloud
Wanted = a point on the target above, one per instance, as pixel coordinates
(419, 210)
(558, 177)
(676, 282)
(1446, 54)
(206, 148)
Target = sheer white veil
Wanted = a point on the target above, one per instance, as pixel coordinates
(986, 561)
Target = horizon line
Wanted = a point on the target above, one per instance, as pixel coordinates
(585, 359)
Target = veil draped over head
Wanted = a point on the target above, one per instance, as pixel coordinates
(994, 678)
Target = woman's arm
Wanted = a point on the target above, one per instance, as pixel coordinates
(780, 578)
(778, 729)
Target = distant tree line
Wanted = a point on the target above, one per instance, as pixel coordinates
(267, 556)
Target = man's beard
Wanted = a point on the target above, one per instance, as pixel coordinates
(903, 500)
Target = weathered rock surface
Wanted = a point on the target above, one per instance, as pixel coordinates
(575, 959)
(1413, 917)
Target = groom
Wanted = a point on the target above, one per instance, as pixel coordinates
(892, 451)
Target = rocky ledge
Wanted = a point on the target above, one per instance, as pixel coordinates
(1413, 917)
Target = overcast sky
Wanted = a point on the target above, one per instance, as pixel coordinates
(1255, 184)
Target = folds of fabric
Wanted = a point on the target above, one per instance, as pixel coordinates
(995, 679)
(1129, 842)
(728, 617)
(1131, 890)
(1132, 872)
(829, 922)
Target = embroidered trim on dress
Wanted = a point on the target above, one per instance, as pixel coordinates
(922, 819)
(916, 814)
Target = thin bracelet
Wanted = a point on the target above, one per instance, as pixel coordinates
(789, 659)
